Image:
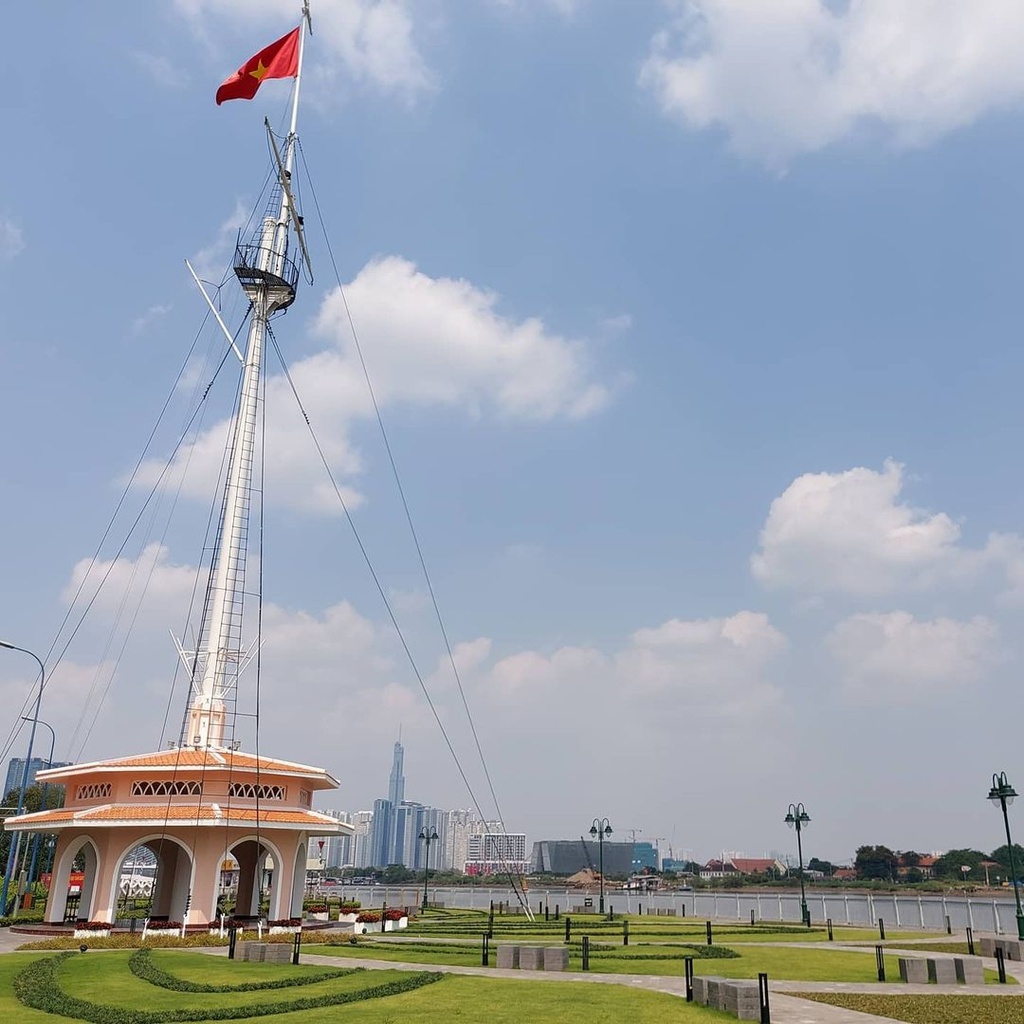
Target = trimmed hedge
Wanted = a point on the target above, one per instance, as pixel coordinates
(140, 963)
(37, 986)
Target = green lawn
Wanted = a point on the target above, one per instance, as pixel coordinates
(104, 978)
(779, 961)
(951, 1009)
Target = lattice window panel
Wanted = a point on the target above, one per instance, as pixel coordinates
(305, 797)
(93, 791)
(147, 787)
(247, 791)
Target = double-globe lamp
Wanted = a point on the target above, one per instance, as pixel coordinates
(799, 819)
(600, 828)
(1002, 795)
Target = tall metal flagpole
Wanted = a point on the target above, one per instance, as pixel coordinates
(268, 278)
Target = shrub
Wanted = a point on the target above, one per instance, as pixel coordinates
(37, 987)
(286, 922)
(369, 917)
(317, 908)
(140, 963)
(93, 926)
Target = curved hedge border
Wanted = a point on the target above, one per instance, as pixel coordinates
(140, 963)
(37, 986)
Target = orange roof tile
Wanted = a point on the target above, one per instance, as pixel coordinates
(189, 758)
(180, 814)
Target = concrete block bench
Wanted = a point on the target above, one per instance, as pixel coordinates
(740, 998)
(1013, 949)
(950, 970)
(264, 952)
(533, 958)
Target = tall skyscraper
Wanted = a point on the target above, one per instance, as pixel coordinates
(16, 768)
(396, 787)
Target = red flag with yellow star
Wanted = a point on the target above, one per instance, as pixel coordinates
(278, 60)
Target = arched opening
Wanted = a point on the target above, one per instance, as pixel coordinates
(73, 883)
(253, 887)
(298, 881)
(153, 879)
(173, 880)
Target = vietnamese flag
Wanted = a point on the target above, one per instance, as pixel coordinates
(278, 60)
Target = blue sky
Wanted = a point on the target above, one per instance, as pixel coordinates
(695, 329)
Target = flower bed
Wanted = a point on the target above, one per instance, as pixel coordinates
(92, 929)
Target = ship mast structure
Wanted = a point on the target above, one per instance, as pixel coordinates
(269, 277)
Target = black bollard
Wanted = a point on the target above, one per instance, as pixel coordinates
(762, 998)
(232, 937)
(384, 916)
(568, 927)
(684, 910)
(490, 925)
(547, 915)
(492, 906)
(540, 907)
(949, 926)
(640, 909)
(688, 969)
(485, 951)
(970, 940)
(751, 919)
(611, 912)
(586, 952)
(880, 961)
(556, 911)
(881, 929)
(829, 923)
(296, 946)
(625, 932)
(707, 927)
(1001, 964)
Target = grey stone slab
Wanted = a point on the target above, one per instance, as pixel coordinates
(740, 998)
(988, 945)
(714, 992)
(700, 990)
(531, 958)
(969, 970)
(1013, 949)
(913, 970)
(942, 971)
(508, 957)
(556, 958)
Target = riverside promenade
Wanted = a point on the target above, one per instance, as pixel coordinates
(785, 1008)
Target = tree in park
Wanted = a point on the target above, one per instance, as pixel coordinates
(952, 863)
(1001, 855)
(33, 803)
(876, 862)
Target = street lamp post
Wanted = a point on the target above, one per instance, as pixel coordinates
(42, 803)
(600, 828)
(12, 853)
(798, 818)
(1001, 794)
(428, 835)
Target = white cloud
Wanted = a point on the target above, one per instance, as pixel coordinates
(852, 532)
(707, 668)
(784, 77)
(12, 240)
(370, 42)
(163, 71)
(210, 262)
(150, 317)
(895, 659)
(430, 342)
